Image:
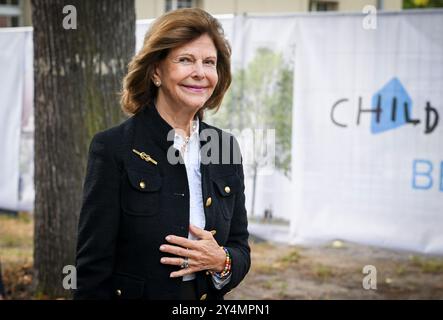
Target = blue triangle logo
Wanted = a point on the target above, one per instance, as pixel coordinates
(394, 102)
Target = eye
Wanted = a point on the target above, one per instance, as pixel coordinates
(185, 60)
(210, 62)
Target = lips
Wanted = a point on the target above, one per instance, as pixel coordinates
(194, 88)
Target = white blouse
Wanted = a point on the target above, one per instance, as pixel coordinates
(190, 153)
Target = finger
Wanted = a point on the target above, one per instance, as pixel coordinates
(172, 261)
(178, 251)
(183, 272)
(183, 242)
(200, 233)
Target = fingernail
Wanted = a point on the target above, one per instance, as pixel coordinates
(171, 276)
(162, 248)
(168, 238)
(162, 260)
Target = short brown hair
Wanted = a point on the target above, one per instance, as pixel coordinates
(168, 32)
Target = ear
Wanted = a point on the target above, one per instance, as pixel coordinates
(156, 75)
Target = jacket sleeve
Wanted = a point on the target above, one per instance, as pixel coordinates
(237, 243)
(98, 224)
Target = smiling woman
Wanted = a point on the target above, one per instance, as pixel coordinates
(191, 39)
(152, 228)
(187, 77)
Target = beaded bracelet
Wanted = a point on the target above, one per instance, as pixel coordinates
(227, 268)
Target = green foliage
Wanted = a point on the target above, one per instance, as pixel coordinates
(292, 257)
(323, 271)
(261, 97)
(417, 4)
(428, 265)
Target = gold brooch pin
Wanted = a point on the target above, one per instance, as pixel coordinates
(145, 156)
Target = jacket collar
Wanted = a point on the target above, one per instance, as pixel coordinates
(159, 129)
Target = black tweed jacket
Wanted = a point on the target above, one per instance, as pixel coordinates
(130, 205)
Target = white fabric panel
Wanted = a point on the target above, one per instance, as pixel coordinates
(357, 183)
(12, 61)
(26, 170)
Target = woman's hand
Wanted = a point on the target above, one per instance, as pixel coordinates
(202, 254)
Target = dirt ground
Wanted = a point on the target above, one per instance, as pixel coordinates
(336, 272)
(277, 272)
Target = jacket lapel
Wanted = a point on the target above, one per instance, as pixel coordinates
(151, 136)
(206, 179)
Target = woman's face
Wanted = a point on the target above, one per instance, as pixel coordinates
(188, 74)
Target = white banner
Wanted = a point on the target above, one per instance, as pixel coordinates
(368, 131)
(14, 63)
(263, 48)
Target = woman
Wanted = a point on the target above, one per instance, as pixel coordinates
(163, 214)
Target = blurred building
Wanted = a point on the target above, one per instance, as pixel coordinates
(17, 13)
(154, 8)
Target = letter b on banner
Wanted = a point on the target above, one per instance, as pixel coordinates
(422, 175)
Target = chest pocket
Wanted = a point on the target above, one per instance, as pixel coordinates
(227, 188)
(141, 192)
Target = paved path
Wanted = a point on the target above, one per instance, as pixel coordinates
(269, 232)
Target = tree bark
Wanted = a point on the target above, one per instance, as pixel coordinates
(77, 74)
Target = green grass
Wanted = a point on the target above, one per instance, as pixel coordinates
(268, 285)
(292, 257)
(16, 255)
(16, 238)
(263, 268)
(427, 265)
(323, 272)
(400, 270)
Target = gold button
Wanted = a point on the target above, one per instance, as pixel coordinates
(208, 201)
(142, 184)
(203, 297)
(118, 292)
(227, 189)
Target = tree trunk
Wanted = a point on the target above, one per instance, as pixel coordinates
(77, 75)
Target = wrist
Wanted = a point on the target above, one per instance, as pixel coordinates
(224, 271)
(221, 265)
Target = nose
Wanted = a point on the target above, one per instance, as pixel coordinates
(199, 71)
